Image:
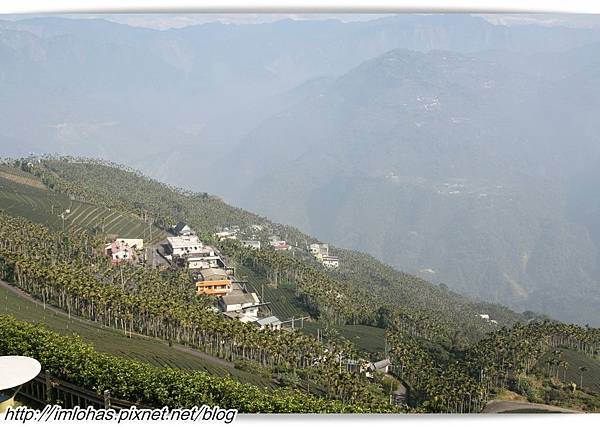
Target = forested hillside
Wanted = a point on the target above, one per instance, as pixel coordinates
(451, 359)
(362, 278)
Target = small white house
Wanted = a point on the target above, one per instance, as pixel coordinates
(124, 250)
(137, 244)
(319, 250)
(382, 366)
(314, 248)
(271, 322)
(182, 229)
(225, 235)
(204, 258)
(242, 303)
(330, 261)
(280, 245)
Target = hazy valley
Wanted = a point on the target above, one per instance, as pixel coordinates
(449, 147)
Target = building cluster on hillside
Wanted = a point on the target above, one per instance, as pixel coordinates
(207, 268)
(212, 277)
(188, 251)
(124, 250)
(321, 252)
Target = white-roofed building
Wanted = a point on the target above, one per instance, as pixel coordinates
(226, 234)
(182, 229)
(184, 245)
(205, 258)
(330, 261)
(124, 250)
(319, 250)
(271, 322)
(242, 303)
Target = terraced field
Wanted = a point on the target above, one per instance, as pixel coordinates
(108, 340)
(282, 298)
(366, 338)
(46, 207)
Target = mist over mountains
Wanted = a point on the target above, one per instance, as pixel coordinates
(461, 151)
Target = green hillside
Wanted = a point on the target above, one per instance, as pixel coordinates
(108, 340)
(108, 185)
(368, 339)
(283, 302)
(46, 207)
(453, 352)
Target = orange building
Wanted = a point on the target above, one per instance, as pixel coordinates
(213, 281)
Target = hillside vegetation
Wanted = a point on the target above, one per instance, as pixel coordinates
(115, 342)
(362, 278)
(72, 359)
(38, 204)
(452, 359)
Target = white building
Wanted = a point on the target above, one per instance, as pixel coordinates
(252, 244)
(319, 250)
(182, 229)
(184, 245)
(271, 322)
(382, 366)
(204, 258)
(137, 244)
(240, 317)
(124, 250)
(330, 261)
(226, 234)
(280, 245)
(241, 303)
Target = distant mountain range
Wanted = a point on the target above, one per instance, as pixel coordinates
(445, 165)
(461, 151)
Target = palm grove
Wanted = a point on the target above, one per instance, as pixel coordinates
(438, 346)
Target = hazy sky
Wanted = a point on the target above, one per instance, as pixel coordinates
(164, 21)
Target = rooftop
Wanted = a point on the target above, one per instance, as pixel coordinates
(213, 274)
(244, 318)
(238, 298)
(382, 363)
(271, 320)
(184, 241)
(182, 228)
